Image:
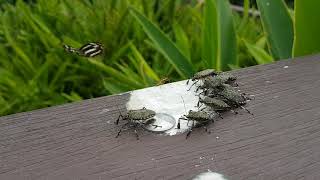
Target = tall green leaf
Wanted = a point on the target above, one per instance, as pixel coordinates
(307, 27)
(165, 45)
(259, 54)
(182, 40)
(278, 25)
(219, 46)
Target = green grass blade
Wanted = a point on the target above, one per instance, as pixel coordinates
(219, 45)
(307, 27)
(259, 54)
(210, 35)
(145, 68)
(116, 74)
(165, 45)
(26, 60)
(182, 40)
(278, 25)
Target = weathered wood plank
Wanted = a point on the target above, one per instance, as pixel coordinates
(76, 141)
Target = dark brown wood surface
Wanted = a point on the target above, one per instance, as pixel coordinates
(77, 141)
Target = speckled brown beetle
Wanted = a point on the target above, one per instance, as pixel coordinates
(135, 118)
(214, 82)
(215, 105)
(232, 97)
(202, 74)
(199, 119)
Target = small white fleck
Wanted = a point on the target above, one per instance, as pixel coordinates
(109, 122)
(239, 90)
(268, 81)
(212, 159)
(200, 157)
(285, 67)
(104, 111)
(152, 159)
(252, 95)
(217, 137)
(197, 165)
(210, 176)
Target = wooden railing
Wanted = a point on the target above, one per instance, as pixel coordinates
(77, 141)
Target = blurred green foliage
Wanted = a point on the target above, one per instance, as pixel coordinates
(36, 72)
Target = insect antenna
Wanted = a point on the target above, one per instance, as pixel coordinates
(185, 110)
(184, 104)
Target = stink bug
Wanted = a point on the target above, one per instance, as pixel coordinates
(213, 82)
(226, 78)
(215, 104)
(202, 74)
(135, 118)
(233, 97)
(198, 118)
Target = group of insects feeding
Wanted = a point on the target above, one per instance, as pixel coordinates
(217, 93)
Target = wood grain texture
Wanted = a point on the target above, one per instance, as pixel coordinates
(76, 141)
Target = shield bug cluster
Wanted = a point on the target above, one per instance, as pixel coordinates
(218, 95)
(137, 118)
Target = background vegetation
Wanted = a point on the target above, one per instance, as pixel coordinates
(145, 41)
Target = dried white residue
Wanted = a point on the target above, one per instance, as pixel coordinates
(210, 176)
(285, 67)
(168, 99)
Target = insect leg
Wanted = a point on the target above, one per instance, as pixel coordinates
(206, 129)
(155, 126)
(193, 84)
(246, 110)
(119, 132)
(219, 114)
(178, 125)
(135, 132)
(190, 130)
(198, 88)
(117, 122)
(199, 105)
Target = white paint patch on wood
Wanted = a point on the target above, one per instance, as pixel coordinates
(167, 99)
(210, 176)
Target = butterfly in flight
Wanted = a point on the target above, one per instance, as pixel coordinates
(88, 50)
